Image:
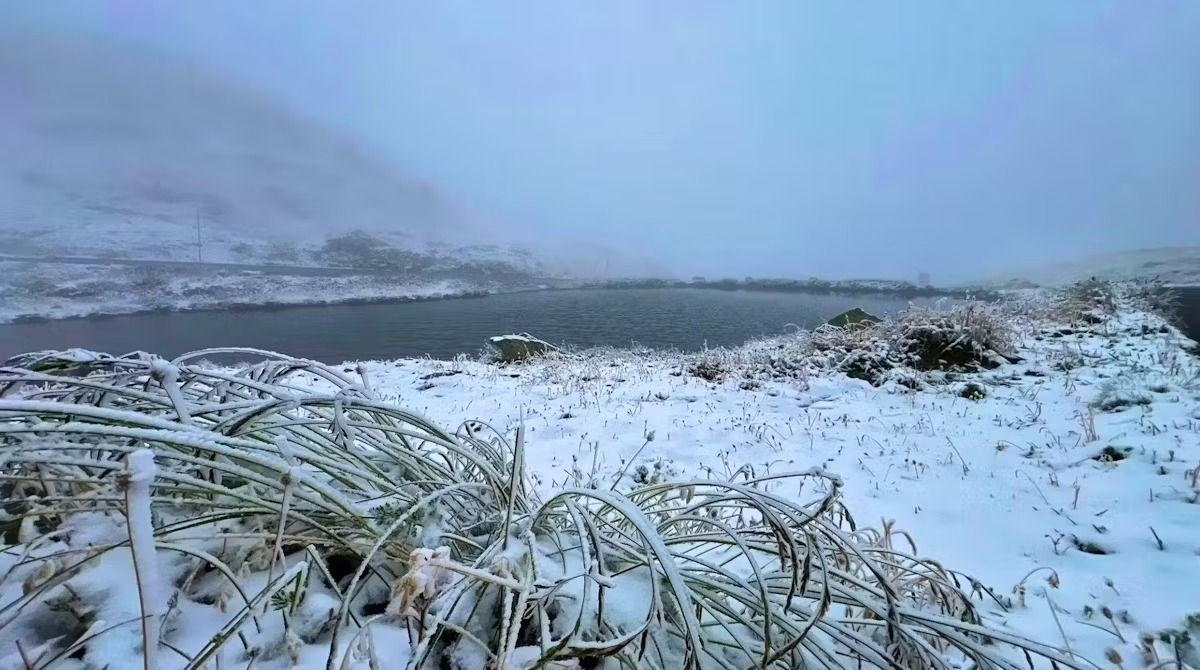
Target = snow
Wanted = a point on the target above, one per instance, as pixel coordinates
(63, 291)
(1179, 266)
(998, 488)
(1091, 444)
(523, 337)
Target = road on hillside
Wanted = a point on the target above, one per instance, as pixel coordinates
(303, 270)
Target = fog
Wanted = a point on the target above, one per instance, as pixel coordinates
(735, 138)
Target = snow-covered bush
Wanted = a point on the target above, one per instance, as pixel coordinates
(964, 337)
(969, 336)
(1091, 300)
(783, 357)
(709, 367)
(1155, 297)
(284, 518)
(1095, 300)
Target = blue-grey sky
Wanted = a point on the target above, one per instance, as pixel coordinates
(742, 138)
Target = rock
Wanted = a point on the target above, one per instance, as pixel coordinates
(522, 347)
(973, 391)
(854, 317)
(1009, 358)
(1111, 454)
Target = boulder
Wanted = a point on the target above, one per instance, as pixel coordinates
(857, 317)
(521, 347)
(973, 391)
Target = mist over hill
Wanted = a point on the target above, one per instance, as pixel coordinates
(109, 151)
(1179, 266)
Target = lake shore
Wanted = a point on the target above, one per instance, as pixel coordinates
(32, 292)
(1068, 488)
(1051, 467)
(85, 292)
(444, 328)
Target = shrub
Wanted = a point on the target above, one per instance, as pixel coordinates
(964, 337)
(1154, 296)
(869, 366)
(1091, 300)
(708, 368)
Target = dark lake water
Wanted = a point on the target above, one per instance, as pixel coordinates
(685, 319)
(1189, 311)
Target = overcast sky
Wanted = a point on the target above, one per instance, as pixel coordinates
(742, 138)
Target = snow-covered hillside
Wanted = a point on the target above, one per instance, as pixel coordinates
(1179, 266)
(110, 153)
(59, 291)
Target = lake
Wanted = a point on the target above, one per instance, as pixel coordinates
(1189, 311)
(669, 318)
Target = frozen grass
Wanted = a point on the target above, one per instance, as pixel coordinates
(1153, 296)
(963, 337)
(327, 519)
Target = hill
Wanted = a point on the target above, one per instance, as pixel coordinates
(1179, 266)
(108, 152)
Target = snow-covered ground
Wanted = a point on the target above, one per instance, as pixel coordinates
(1179, 266)
(1012, 489)
(68, 290)
(1067, 483)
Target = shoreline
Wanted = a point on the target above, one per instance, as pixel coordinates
(283, 305)
(1057, 469)
(800, 286)
(1055, 483)
(272, 305)
(62, 285)
(252, 306)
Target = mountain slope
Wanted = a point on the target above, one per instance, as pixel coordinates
(1174, 265)
(105, 151)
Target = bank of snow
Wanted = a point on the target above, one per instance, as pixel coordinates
(1071, 488)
